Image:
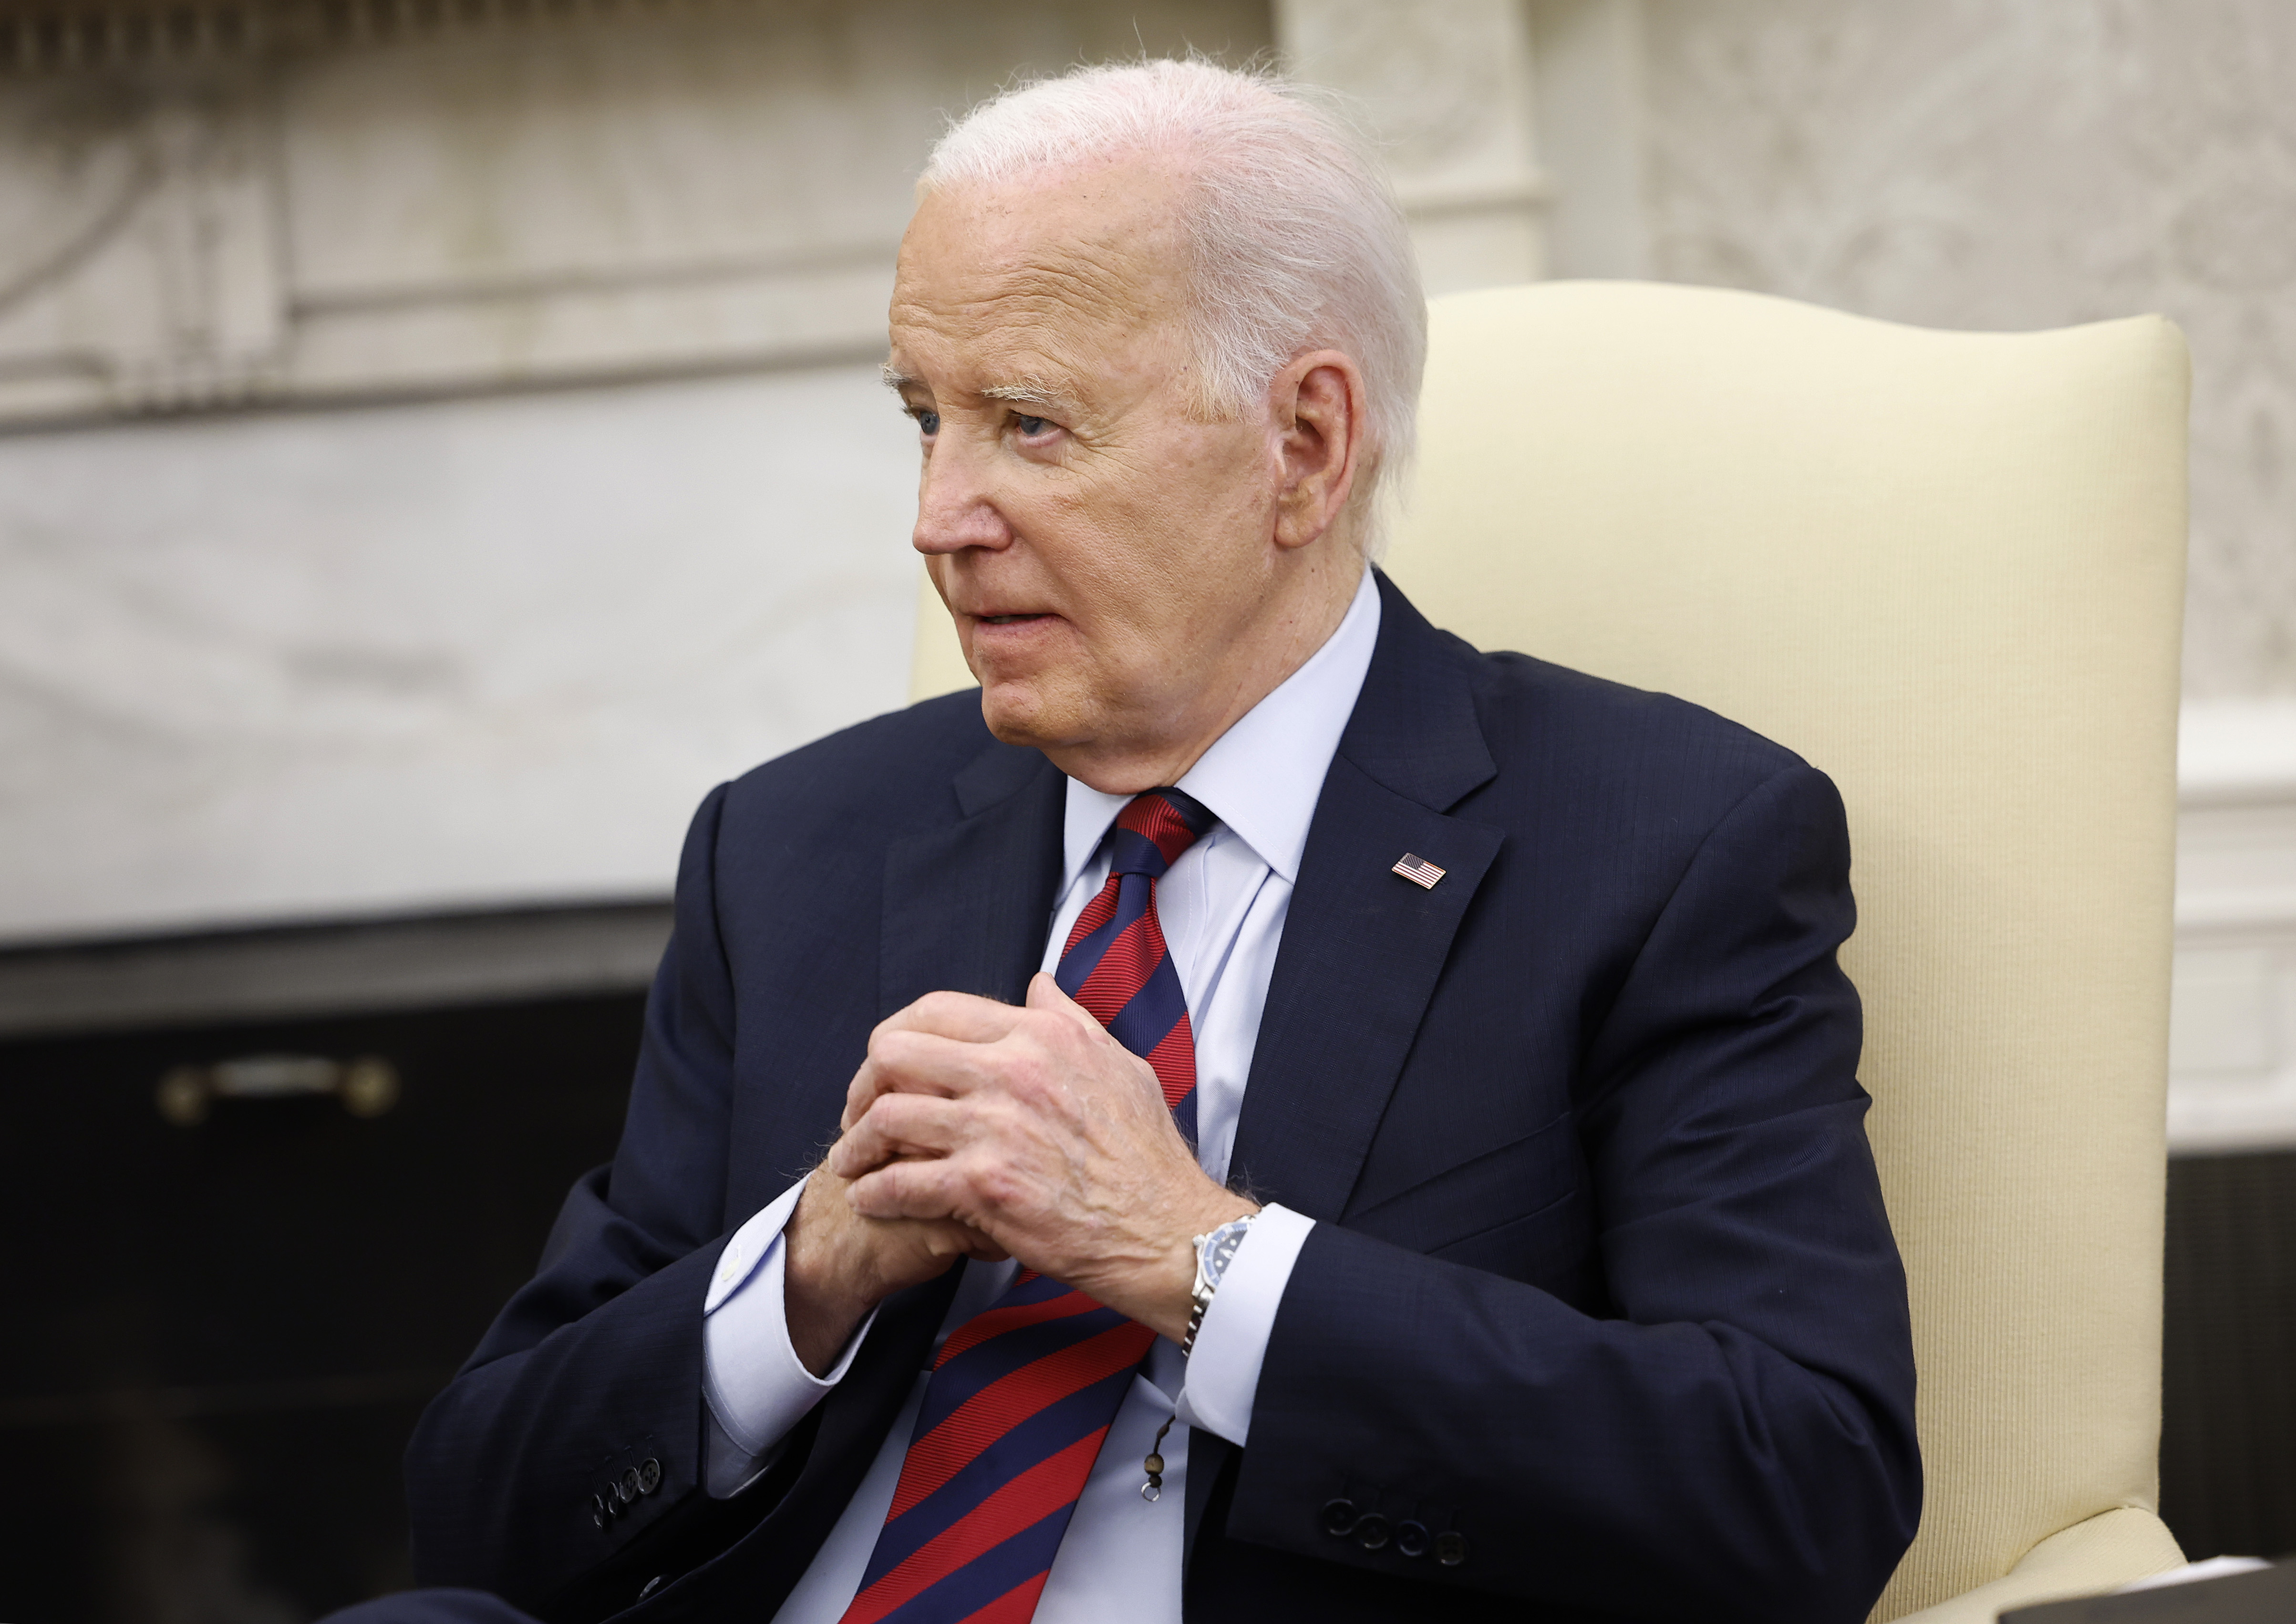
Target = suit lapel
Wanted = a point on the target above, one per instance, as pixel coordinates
(1363, 946)
(967, 906)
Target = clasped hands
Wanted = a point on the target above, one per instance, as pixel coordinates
(992, 1130)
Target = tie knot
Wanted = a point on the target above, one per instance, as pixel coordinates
(1153, 831)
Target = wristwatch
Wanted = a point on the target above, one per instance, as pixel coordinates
(1214, 1252)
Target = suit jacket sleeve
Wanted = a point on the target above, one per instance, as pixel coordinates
(1734, 1438)
(594, 1367)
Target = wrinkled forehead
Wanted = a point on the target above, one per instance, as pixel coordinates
(1077, 266)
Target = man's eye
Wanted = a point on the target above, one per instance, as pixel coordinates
(1030, 427)
(928, 422)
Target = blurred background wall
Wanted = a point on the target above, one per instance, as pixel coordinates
(440, 439)
(448, 437)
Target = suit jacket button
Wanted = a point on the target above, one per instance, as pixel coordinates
(651, 1586)
(1451, 1548)
(649, 1476)
(1411, 1538)
(629, 1487)
(1371, 1533)
(1339, 1518)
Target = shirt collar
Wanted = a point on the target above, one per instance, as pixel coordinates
(1262, 778)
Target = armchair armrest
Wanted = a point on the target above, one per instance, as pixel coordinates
(2087, 1559)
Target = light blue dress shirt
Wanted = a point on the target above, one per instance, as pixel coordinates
(1222, 907)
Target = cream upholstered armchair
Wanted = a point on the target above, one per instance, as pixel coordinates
(1948, 568)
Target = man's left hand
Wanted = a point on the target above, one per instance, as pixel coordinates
(1035, 1127)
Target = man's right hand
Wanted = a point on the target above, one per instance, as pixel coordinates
(838, 1266)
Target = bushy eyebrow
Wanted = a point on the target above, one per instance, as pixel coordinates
(1028, 391)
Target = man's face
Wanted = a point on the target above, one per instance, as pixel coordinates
(1102, 551)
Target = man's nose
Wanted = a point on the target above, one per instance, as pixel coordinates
(956, 506)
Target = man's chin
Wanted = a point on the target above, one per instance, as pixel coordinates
(1020, 712)
(1015, 724)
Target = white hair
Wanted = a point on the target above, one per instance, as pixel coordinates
(1297, 241)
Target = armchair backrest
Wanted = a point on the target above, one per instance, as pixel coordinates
(1948, 568)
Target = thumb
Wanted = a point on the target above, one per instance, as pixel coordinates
(1045, 993)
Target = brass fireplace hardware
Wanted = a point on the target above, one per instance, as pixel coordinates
(367, 1085)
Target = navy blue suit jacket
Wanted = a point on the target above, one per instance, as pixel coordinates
(1601, 1283)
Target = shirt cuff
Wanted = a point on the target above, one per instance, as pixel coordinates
(1222, 1371)
(756, 1386)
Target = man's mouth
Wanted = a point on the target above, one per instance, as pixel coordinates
(1008, 619)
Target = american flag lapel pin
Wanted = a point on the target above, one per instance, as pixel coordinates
(1419, 871)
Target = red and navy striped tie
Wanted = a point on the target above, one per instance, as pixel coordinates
(1022, 1393)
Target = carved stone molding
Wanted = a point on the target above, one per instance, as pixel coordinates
(293, 209)
(142, 267)
(64, 37)
(383, 963)
(239, 201)
(2232, 1032)
(1447, 85)
(72, 38)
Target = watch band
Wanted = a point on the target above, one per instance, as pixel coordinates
(1214, 1251)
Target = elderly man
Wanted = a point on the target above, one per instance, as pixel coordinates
(1394, 1106)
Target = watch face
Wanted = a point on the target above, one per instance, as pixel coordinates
(1220, 1248)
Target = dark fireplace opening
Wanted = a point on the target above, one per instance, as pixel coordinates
(2229, 1399)
(246, 1256)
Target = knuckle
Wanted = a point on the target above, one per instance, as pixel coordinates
(939, 1006)
(1044, 1069)
(1024, 1080)
(993, 1183)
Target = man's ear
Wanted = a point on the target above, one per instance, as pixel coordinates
(1317, 402)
